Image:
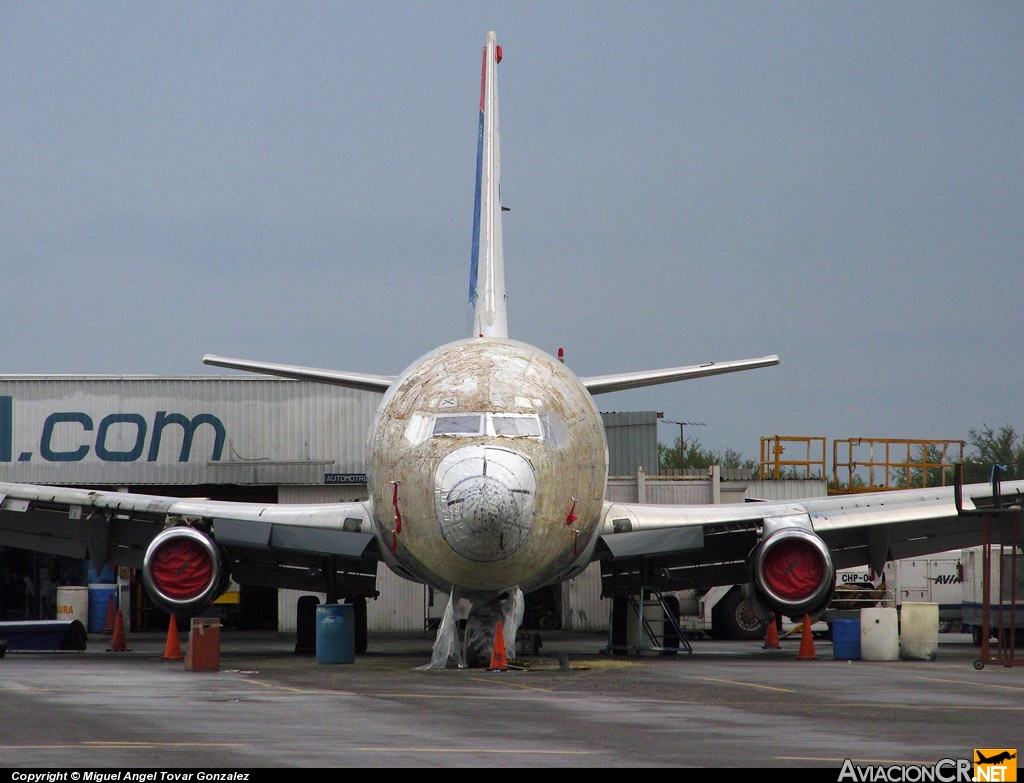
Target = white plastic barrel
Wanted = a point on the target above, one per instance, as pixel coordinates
(919, 631)
(879, 634)
(73, 604)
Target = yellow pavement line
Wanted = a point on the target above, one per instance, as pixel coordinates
(509, 684)
(126, 744)
(856, 759)
(526, 751)
(977, 684)
(748, 684)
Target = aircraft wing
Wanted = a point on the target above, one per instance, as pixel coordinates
(313, 547)
(601, 384)
(351, 380)
(680, 547)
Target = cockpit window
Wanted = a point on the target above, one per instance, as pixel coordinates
(502, 425)
(516, 426)
(458, 424)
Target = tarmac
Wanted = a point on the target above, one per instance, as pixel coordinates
(570, 703)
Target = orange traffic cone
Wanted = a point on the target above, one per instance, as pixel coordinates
(771, 636)
(172, 651)
(111, 618)
(807, 643)
(499, 659)
(117, 643)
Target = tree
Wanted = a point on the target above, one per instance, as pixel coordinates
(695, 456)
(1003, 447)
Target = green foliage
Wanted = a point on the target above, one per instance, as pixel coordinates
(695, 456)
(1003, 447)
(856, 481)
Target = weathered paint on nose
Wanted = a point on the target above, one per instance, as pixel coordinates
(485, 498)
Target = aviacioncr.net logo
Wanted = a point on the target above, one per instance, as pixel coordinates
(995, 764)
(943, 771)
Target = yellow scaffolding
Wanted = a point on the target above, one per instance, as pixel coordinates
(868, 464)
(773, 466)
(890, 463)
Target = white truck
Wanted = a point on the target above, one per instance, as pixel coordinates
(973, 596)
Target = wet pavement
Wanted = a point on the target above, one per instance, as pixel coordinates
(728, 704)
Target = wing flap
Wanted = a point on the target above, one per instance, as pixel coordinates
(655, 543)
(249, 534)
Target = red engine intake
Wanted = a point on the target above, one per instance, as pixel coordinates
(183, 570)
(792, 572)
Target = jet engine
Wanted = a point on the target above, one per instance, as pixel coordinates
(183, 570)
(791, 569)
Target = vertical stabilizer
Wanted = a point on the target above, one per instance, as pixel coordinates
(487, 272)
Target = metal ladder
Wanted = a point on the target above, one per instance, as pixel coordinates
(645, 629)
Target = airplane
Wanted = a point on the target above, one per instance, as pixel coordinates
(996, 759)
(487, 474)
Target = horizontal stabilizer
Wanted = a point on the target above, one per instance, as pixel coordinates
(351, 380)
(601, 384)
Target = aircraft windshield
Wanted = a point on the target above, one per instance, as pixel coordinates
(502, 425)
(458, 424)
(512, 426)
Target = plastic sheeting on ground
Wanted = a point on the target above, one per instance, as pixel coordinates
(481, 613)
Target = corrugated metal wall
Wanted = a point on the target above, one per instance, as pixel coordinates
(132, 430)
(632, 442)
(678, 492)
(583, 607)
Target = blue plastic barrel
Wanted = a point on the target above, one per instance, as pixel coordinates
(335, 633)
(846, 640)
(105, 576)
(99, 600)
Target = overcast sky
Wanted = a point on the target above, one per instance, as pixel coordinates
(838, 183)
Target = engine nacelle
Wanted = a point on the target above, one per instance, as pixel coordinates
(183, 570)
(791, 569)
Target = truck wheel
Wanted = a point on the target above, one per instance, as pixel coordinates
(734, 618)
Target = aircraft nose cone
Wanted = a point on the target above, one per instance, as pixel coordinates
(485, 501)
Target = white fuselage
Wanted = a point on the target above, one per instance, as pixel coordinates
(488, 465)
